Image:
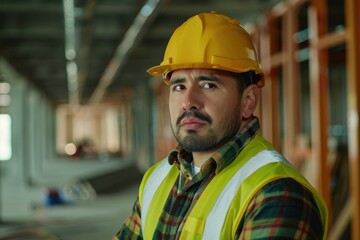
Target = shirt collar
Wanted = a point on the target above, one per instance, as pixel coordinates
(225, 155)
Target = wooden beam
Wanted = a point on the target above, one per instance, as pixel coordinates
(332, 39)
(353, 63)
(342, 221)
(291, 81)
(277, 59)
(266, 107)
(319, 100)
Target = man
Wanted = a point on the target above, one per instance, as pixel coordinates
(223, 181)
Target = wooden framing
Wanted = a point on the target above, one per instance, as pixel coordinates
(273, 60)
(284, 56)
(319, 102)
(266, 109)
(291, 83)
(353, 54)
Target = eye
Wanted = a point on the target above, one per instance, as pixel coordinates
(208, 85)
(177, 87)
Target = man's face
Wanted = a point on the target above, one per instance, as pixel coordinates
(205, 108)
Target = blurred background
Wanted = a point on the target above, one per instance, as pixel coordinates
(80, 120)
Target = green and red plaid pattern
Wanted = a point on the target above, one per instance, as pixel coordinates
(283, 209)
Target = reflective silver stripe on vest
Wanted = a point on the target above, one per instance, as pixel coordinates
(216, 217)
(152, 184)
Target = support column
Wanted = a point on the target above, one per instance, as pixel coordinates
(353, 53)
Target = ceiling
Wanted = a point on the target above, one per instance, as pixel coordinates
(86, 51)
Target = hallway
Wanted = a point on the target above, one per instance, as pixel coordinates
(94, 219)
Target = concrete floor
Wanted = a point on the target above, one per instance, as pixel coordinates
(96, 219)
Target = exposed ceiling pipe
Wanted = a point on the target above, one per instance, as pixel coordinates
(84, 37)
(124, 48)
(70, 52)
(77, 46)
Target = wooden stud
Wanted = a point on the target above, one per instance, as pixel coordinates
(353, 63)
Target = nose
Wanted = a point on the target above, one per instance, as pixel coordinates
(191, 100)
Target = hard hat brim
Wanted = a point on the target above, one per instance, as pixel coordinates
(164, 70)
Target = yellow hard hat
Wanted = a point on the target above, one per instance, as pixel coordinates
(213, 41)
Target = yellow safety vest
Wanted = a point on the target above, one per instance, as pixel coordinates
(221, 206)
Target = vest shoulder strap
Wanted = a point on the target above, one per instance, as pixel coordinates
(148, 197)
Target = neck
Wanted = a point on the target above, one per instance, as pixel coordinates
(201, 157)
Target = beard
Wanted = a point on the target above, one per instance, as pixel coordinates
(194, 142)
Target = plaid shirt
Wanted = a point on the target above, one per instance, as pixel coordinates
(283, 208)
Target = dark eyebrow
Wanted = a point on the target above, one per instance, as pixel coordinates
(199, 78)
(207, 78)
(176, 81)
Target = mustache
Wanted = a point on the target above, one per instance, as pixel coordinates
(193, 113)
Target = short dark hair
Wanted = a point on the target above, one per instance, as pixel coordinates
(245, 79)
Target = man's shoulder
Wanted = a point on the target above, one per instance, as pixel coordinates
(286, 185)
(287, 194)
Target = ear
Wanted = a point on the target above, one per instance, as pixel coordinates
(250, 99)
